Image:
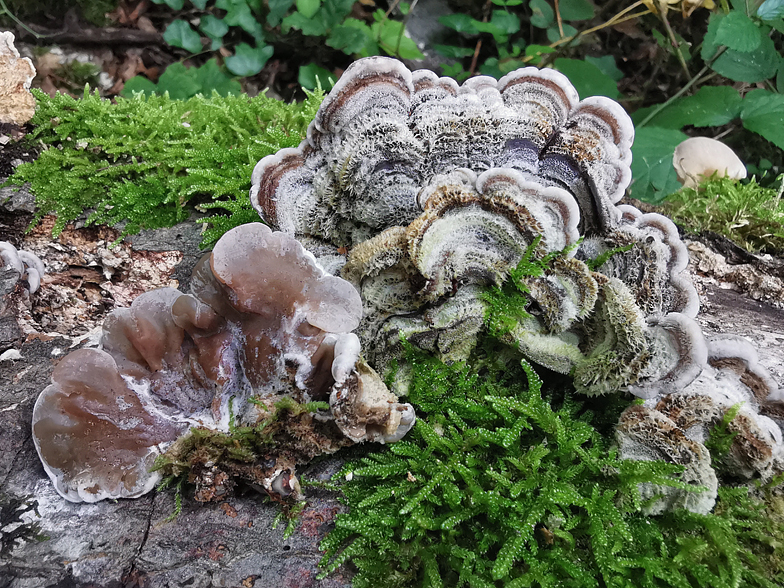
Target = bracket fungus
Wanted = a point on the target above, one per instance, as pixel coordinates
(438, 190)
(263, 321)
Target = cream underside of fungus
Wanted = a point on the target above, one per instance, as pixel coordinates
(263, 320)
(437, 190)
(698, 158)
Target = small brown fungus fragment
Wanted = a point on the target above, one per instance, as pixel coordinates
(17, 104)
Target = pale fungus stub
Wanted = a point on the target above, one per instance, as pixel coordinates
(17, 104)
(29, 267)
(263, 321)
(699, 158)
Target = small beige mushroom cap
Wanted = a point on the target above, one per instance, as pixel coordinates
(701, 157)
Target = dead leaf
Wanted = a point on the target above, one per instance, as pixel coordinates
(145, 24)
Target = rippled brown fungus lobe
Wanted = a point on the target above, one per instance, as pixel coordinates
(96, 438)
(264, 321)
(698, 158)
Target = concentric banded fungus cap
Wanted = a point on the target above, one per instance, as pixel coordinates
(384, 133)
(94, 436)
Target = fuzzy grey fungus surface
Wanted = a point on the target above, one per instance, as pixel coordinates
(436, 190)
(263, 321)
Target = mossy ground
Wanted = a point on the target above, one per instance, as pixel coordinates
(504, 481)
(747, 213)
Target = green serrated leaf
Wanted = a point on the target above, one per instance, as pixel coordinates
(453, 52)
(247, 60)
(753, 66)
(308, 8)
(312, 75)
(277, 10)
(180, 34)
(587, 79)
(607, 66)
(576, 10)
(652, 169)
(543, 15)
(213, 27)
(312, 27)
(200, 4)
(771, 9)
(462, 23)
(710, 106)
(737, 31)
(763, 113)
(348, 39)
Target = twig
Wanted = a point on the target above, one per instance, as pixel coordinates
(478, 47)
(4, 10)
(613, 21)
(558, 19)
(675, 43)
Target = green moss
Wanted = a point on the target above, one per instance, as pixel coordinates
(141, 161)
(502, 483)
(747, 213)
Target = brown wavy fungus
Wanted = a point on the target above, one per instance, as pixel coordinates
(262, 321)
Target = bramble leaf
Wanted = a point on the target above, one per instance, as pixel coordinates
(737, 31)
(247, 60)
(771, 9)
(763, 112)
(180, 34)
(711, 106)
(752, 66)
(652, 169)
(576, 9)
